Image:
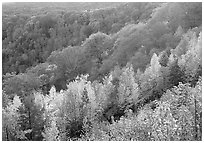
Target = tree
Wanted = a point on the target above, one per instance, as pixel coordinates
(97, 44)
(128, 90)
(163, 58)
(46, 22)
(51, 133)
(186, 109)
(71, 111)
(21, 84)
(97, 48)
(197, 91)
(193, 16)
(11, 128)
(163, 124)
(128, 41)
(139, 61)
(68, 66)
(191, 61)
(32, 115)
(87, 31)
(149, 81)
(175, 74)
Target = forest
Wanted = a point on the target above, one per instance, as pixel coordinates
(117, 71)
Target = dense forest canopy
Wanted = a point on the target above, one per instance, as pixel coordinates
(102, 71)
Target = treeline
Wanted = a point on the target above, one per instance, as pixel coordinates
(132, 72)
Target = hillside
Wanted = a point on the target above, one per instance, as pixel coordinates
(34, 8)
(102, 71)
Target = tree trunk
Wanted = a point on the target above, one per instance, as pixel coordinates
(195, 119)
(30, 124)
(7, 134)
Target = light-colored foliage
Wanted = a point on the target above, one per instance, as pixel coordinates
(128, 90)
(192, 59)
(11, 121)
